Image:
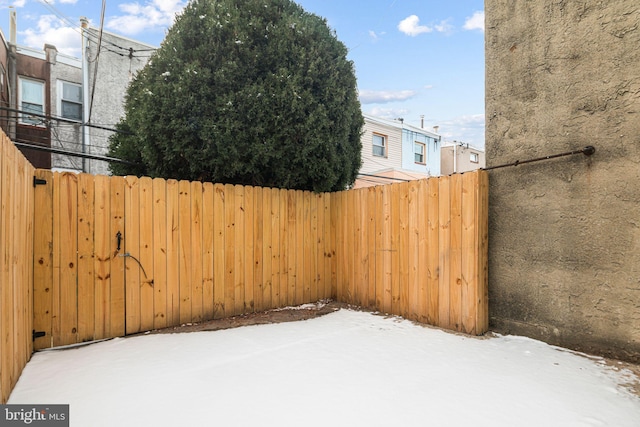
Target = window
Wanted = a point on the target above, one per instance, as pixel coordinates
(31, 98)
(379, 145)
(70, 100)
(418, 152)
(473, 157)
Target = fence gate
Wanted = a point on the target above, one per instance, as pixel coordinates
(79, 270)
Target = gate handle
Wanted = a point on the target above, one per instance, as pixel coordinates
(119, 239)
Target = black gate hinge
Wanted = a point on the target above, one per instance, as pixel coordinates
(38, 181)
(38, 334)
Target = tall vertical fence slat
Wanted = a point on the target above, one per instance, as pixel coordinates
(86, 251)
(43, 261)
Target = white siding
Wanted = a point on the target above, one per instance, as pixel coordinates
(393, 159)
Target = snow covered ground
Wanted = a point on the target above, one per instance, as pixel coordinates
(344, 369)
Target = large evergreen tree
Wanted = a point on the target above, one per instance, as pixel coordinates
(255, 92)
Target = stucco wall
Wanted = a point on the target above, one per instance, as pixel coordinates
(116, 68)
(564, 255)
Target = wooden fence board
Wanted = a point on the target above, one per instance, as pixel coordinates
(173, 253)
(433, 257)
(482, 322)
(197, 313)
(8, 363)
(275, 247)
(327, 248)
(444, 249)
(132, 249)
(43, 259)
(258, 258)
(86, 264)
(267, 250)
(313, 247)
(301, 285)
(229, 255)
(284, 248)
(370, 247)
(117, 298)
(469, 253)
(146, 255)
(239, 254)
(184, 238)
(102, 257)
(455, 254)
(219, 254)
(413, 255)
(424, 245)
(208, 194)
(290, 236)
(248, 245)
(68, 271)
(160, 251)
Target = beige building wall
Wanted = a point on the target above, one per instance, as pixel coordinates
(467, 158)
(564, 256)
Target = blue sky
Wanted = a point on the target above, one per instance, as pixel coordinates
(412, 57)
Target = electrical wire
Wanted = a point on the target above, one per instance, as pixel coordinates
(95, 69)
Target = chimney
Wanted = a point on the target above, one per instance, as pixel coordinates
(13, 26)
(435, 129)
(421, 121)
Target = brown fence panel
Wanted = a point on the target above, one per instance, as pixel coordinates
(430, 240)
(17, 211)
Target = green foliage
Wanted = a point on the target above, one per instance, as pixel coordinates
(254, 92)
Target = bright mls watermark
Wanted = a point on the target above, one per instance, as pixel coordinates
(34, 415)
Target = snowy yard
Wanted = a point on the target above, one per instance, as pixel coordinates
(343, 369)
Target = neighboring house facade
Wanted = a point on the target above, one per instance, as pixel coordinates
(457, 157)
(63, 93)
(117, 60)
(25, 83)
(393, 151)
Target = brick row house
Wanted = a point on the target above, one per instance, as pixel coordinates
(47, 97)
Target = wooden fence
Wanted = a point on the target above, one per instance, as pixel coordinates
(125, 255)
(89, 257)
(16, 278)
(417, 249)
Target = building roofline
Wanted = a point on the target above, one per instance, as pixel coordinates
(400, 125)
(461, 144)
(97, 30)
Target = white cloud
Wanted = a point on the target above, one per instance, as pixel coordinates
(68, 1)
(467, 129)
(443, 27)
(388, 113)
(475, 22)
(140, 17)
(19, 3)
(50, 30)
(384, 96)
(410, 26)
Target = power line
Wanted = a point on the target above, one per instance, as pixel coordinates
(74, 153)
(62, 119)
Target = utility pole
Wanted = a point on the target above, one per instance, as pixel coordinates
(85, 89)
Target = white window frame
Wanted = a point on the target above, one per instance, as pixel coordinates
(24, 118)
(61, 99)
(383, 138)
(474, 157)
(417, 144)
